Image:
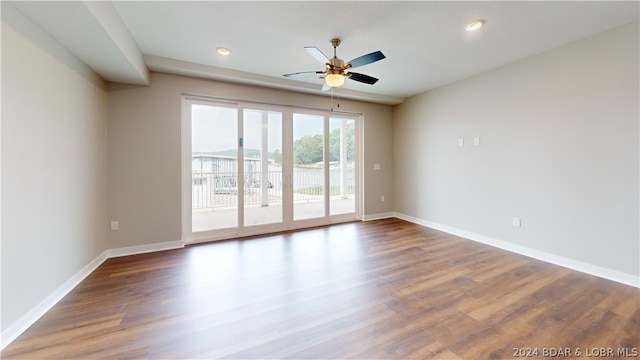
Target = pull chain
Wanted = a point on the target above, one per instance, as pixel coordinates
(338, 103)
(331, 98)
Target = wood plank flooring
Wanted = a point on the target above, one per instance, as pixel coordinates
(384, 289)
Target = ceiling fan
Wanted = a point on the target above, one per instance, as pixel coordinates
(337, 70)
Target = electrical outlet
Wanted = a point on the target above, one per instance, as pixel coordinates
(115, 225)
(382, 198)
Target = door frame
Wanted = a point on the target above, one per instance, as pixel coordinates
(189, 237)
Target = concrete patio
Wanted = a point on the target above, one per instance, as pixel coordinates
(225, 217)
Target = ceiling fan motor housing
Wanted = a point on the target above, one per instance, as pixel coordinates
(336, 63)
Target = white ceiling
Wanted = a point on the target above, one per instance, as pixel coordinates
(424, 41)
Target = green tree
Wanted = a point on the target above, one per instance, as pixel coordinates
(334, 143)
(277, 156)
(308, 149)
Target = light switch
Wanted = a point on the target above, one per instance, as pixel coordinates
(460, 142)
(476, 141)
(376, 166)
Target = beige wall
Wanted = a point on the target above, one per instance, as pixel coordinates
(559, 149)
(53, 166)
(144, 151)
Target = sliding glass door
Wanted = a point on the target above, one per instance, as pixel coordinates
(342, 165)
(214, 167)
(262, 150)
(257, 168)
(309, 180)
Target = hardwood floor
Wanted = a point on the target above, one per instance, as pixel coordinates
(381, 289)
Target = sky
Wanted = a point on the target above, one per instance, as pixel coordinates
(214, 128)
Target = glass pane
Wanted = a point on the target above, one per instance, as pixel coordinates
(262, 167)
(214, 167)
(342, 180)
(308, 166)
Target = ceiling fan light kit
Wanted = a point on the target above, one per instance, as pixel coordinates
(334, 80)
(336, 69)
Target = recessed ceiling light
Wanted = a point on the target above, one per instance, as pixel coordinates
(474, 25)
(223, 51)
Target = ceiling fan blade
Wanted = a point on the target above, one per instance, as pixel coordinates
(303, 72)
(365, 59)
(363, 78)
(317, 54)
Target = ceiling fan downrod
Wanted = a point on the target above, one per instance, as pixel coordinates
(335, 62)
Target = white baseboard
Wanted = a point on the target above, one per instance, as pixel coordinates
(141, 249)
(580, 266)
(17, 328)
(378, 216)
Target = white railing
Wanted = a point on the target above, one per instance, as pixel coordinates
(220, 189)
(209, 189)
